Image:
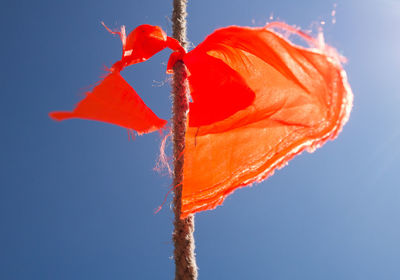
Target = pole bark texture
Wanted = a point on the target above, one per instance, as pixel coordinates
(185, 261)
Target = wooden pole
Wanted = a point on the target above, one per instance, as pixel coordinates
(185, 260)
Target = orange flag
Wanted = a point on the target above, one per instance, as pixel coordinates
(257, 101)
(114, 100)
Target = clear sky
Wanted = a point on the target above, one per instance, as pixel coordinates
(77, 198)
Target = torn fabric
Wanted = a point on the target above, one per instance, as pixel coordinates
(258, 100)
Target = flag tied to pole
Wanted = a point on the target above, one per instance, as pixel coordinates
(257, 100)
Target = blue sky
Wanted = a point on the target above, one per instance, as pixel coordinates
(77, 198)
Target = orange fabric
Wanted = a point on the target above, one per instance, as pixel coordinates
(115, 101)
(142, 43)
(257, 101)
(279, 100)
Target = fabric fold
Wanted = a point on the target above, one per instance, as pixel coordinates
(300, 99)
